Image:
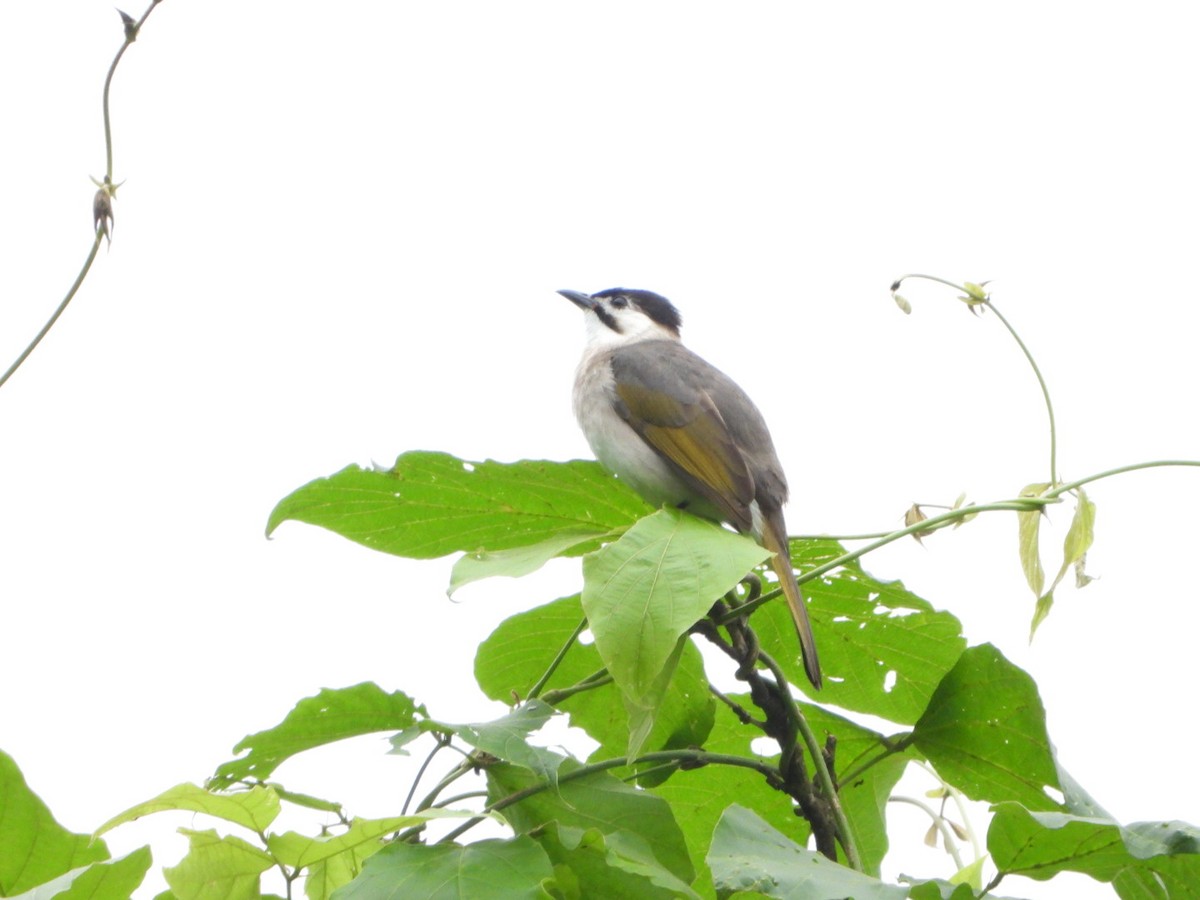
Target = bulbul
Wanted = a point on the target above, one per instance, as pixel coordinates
(679, 431)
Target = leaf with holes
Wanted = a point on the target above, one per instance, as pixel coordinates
(883, 649)
(332, 715)
(431, 504)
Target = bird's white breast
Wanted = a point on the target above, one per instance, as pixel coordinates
(619, 448)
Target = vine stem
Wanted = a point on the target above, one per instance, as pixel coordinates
(557, 661)
(889, 750)
(699, 757)
(824, 778)
(1042, 383)
(597, 679)
(131, 33)
(1061, 489)
(87, 265)
(976, 297)
(442, 742)
(1022, 504)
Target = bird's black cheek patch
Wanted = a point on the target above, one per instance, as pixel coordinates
(607, 318)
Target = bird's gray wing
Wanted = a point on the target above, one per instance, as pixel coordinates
(661, 394)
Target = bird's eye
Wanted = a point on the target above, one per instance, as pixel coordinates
(619, 302)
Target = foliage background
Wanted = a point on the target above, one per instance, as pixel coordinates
(340, 239)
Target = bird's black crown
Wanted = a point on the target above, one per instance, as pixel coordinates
(656, 306)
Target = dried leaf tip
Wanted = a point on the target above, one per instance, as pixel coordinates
(131, 26)
(914, 516)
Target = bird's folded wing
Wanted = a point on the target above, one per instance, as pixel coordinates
(683, 424)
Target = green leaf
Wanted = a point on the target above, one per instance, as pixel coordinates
(1028, 524)
(507, 738)
(520, 650)
(749, 855)
(644, 591)
(330, 716)
(432, 504)
(327, 875)
(254, 809)
(985, 732)
(1079, 535)
(517, 561)
(35, 847)
(300, 850)
(684, 716)
(936, 889)
(883, 649)
(597, 800)
(484, 870)
(1041, 609)
(217, 868)
(1042, 844)
(115, 879)
(603, 866)
(1075, 548)
(641, 712)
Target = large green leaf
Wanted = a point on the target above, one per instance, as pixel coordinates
(985, 732)
(34, 848)
(603, 866)
(747, 854)
(114, 879)
(644, 591)
(332, 715)
(597, 800)
(217, 868)
(1149, 859)
(254, 809)
(484, 870)
(431, 504)
(883, 649)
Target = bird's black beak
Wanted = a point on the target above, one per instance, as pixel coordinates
(580, 299)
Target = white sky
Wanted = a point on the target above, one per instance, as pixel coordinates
(340, 239)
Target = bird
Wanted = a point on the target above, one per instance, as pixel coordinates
(681, 432)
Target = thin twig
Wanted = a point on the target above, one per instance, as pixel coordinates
(558, 658)
(131, 33)
(443, 741)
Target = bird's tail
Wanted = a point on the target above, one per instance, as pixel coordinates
(775, 539)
